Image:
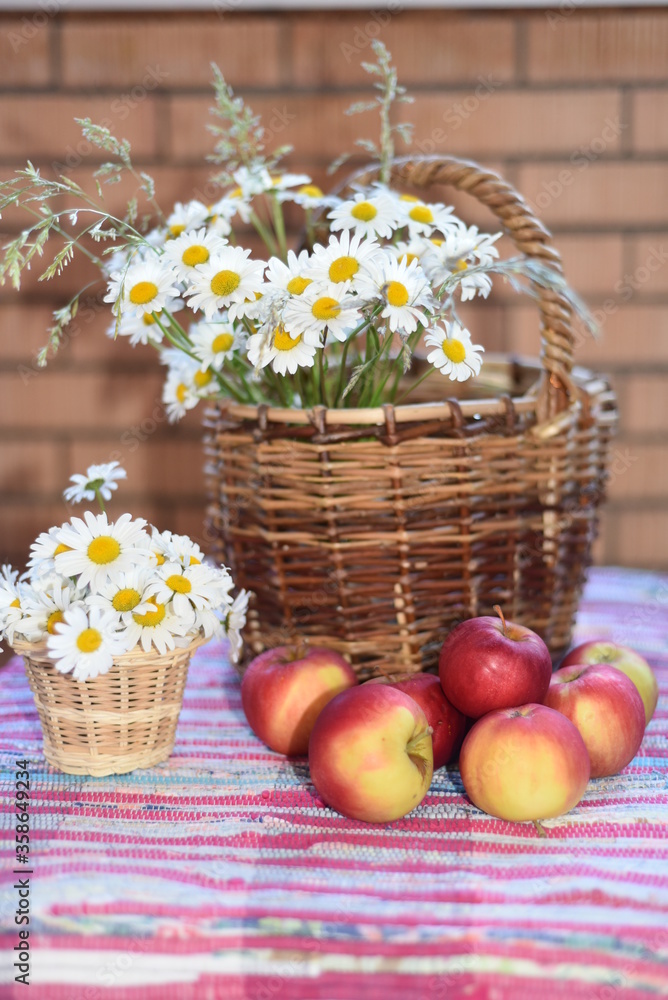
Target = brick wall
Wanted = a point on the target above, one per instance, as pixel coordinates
(571, 105)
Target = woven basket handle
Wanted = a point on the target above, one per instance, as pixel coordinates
(529, 236)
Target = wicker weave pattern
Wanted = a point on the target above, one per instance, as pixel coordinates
(114, 723)
(374, 531)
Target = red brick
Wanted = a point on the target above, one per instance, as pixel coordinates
(30, 467)
(639, 471)
(162, 466)
(603, 193)
(24, 50)
(432, 47)
(21, 524)
(640, 538)
(648, 272)
(569, 44)
(67, 401)
(178, 48)
(650, 120)
(644, 402)
(23, 329)
(43, 126)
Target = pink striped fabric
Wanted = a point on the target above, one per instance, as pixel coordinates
(220, 874)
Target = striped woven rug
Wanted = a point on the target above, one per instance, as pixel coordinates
(221, 876)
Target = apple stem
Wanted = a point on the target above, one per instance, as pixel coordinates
(497, 608)
(540, 829)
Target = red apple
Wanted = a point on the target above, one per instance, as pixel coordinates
(448, 725)
(284, 689)
(488, 663)
(605, 706)
(625, 659)
(370, 753)
(525, 763)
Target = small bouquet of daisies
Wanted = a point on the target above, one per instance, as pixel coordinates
(95, 589)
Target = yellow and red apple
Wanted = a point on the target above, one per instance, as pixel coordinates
(284, 689)
(607, 709)
(524, 763)
(488, 663)
(623, 658)
(370, 753)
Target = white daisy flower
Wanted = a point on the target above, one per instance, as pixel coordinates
(288, 277)
(169, 547)
(227, 281)
(145, 287)
(346, 260)
(285, 353)
(45, 607)
(126, 594)
(310, 197)
(252, 182)
(85, 643)
(139, 329)
(455, 253)
(320, 308)
(190, 250)
(235, 621)
(406, 293)
(99, 479)
(283, 182)
(97, 551)
(369, 214)
(424, 218)
(215, 340)
(153, 624)
(455, 355)
(231, 204)
(187, 382)
(183, 218)
(11, 609)
(409, 250)
(188, 589)
(43, 551)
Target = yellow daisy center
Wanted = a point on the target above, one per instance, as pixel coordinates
(343, 268)
(52, 621)
(195, 254)
(126, 599)
(409, 257)
(59, 549)
(176, 229)
(194, 561)
(408, 197)
(283, 341)
(297, 285)
(15, 603)
(143, 292)
(222, 342)
(461, 265)
(103, 549)
(364, 211)
(89, 640)
(225, 282)
(149, 319)
(397, 294)
(151, 618)
(202, 378)
(311, 191)
(325, 308)
(179, 584)
(181, 392)
(437, 241)
(236, 193)
(421, 213)
(159, 558)
(454, 350)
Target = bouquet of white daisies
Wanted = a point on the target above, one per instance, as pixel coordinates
(95, 589)
(336, 322)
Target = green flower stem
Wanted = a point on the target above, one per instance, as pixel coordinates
(322, 377)
(100, 499)
(414, 386)
(265, 233)
(411, 344)
(366, 322)
(279, 226)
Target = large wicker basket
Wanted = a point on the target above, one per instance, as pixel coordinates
(375, 531)
(117, 722)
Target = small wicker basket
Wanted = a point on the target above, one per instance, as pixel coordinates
(117, 722)
(374, 531)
